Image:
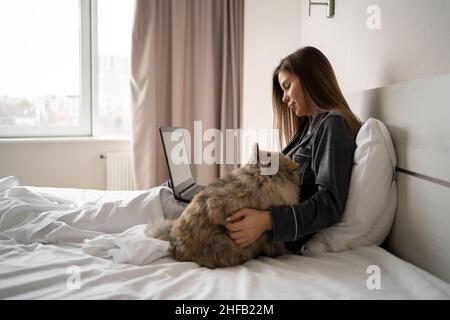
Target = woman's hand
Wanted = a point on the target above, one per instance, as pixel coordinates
(247, 225)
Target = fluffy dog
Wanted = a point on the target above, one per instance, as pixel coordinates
(199, 234)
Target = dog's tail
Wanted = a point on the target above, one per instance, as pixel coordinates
(160, 230)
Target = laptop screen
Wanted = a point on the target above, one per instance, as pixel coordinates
(177, 157)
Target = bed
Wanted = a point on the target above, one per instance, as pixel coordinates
(44, 255)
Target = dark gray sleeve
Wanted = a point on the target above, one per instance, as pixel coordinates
(332, 162)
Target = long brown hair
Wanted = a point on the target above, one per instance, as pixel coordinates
(320, 87)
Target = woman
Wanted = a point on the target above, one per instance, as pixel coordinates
(311, 112)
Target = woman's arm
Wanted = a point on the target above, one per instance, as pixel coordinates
(332, 162)
(247, 225)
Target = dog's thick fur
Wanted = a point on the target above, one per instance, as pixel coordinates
(199, 234)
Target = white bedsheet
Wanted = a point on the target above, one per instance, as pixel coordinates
(43, 256)
(100, 226)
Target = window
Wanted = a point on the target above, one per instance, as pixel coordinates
(65, 67)
(115, 19)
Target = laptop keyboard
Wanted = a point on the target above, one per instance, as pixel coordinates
(189, 193)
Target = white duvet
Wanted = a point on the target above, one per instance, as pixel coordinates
(60, 243)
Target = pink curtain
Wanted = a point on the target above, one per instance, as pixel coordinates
(187, 60)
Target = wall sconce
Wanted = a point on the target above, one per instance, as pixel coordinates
(328, 3)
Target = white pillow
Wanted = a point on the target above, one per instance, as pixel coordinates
(372, 199)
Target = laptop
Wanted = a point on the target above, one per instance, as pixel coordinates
(180, 172)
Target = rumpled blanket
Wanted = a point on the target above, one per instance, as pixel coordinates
(103, 228)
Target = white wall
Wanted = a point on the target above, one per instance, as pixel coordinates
(413, 43)
(271, 31)
(70, 163)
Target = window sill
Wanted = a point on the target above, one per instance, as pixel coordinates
(63, 139)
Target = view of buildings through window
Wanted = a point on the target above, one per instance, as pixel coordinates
(114, 50)
(40, 65)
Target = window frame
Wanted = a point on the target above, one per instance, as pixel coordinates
(88, 83)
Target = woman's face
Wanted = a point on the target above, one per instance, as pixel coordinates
(293, 93)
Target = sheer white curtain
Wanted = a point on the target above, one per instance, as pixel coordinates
(186, 66)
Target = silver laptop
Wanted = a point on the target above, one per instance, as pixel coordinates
(180, 172)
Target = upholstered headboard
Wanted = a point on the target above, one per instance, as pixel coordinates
(417, 115)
